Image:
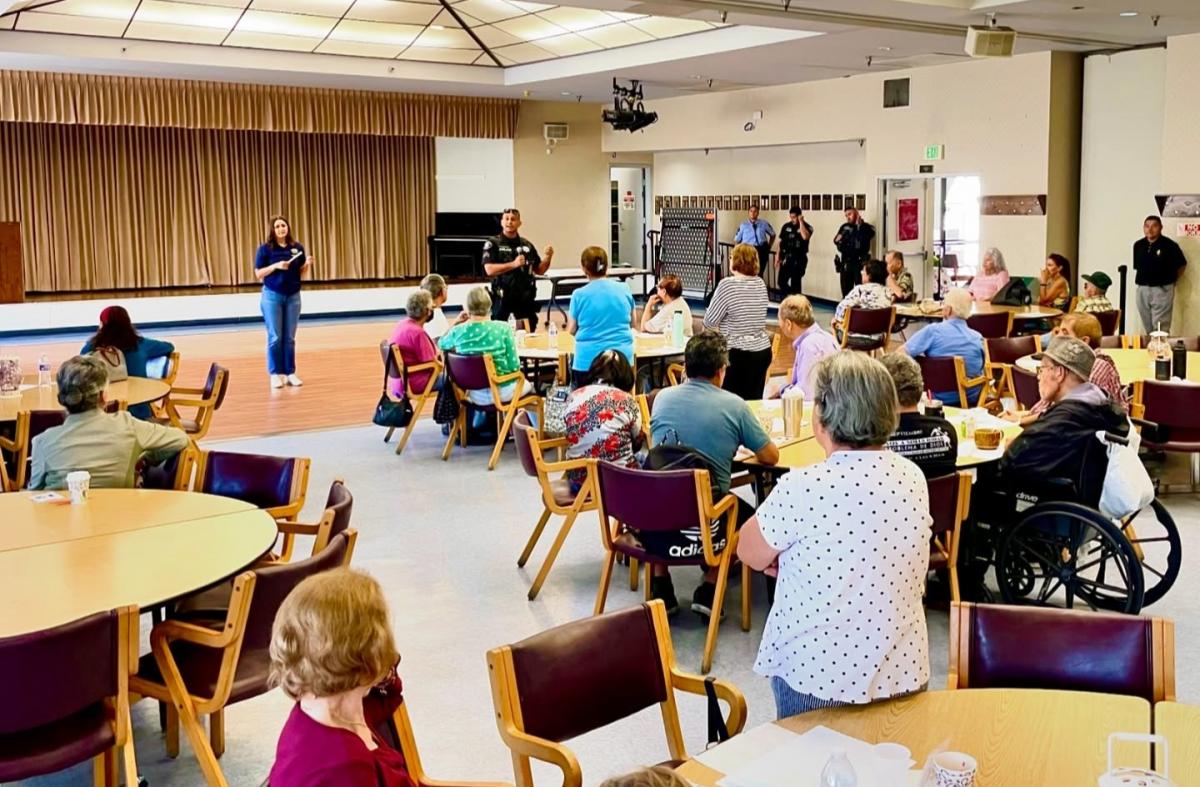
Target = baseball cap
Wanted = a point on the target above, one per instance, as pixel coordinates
(1099, 278)
(1071, 354)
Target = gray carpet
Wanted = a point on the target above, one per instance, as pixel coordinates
(443, 539)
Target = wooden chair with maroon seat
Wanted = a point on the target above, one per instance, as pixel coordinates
(949, 504)
(866, 330)
(999, 356)
(557, 497)
(1110, 321)
(1019, 647)
(468, 373)
(167, 370)
(276, 484)
(29, 424)
(949, 374)
(203, 401)
(200, 666)
(1114, 342)
(993, 325)
(398, 733)
(657, 501)
(1190, 343)
(1024, 387)
(66, 699)
(394, 364)
(587, 674)
(1175, 408)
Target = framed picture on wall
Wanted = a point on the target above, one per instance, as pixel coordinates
(804, 202)
(816, 202)
(725, 202)
(774, 202)
(793, 201)
(849, 201)
(837, 201)
(658, 205)
(826, 202)
(860, 202)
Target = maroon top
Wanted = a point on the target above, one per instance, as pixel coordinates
(310, 754)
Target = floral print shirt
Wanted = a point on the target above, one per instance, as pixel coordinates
(603, 423)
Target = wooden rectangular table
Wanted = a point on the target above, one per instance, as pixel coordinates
(1020, 737)
(1180, 725)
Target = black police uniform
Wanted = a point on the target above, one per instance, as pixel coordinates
(793, 256)
(513, 292)
(853, 250)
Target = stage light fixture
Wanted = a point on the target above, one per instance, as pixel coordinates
(628, 112)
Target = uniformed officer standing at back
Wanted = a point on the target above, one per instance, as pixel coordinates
(512, 262)
(792, 260)
(853, 241)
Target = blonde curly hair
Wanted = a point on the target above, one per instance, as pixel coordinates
(658, 776)
(331, 635)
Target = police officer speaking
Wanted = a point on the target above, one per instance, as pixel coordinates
(512, 262)
(853, 241)
(793, 252)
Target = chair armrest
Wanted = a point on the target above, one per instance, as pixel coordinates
(172, 630)
(569, 464)
(971, 382)
(501, 379)
(298, 528)
(441, 783)
(723, 506)
(555, 442)
(546, 751)
(176, 402)
(193, 391)
(694, 684)
(423, 367)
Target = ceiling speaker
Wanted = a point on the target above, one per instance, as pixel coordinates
(994, 41)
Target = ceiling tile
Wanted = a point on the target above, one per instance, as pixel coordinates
(530, 28)
(413, 13)
(183, 34)
(445, 38)
(492, 36)
(277, 24)
(35, 21)
(238, 4)
(569, 44)
(524, 53)
(667, 26)
(439, 55)
(315, 7)
(489, 10)
(623, 16)
(361, 32)
(272, 41)
(359, 49)
(619, 34)
(7, 22)
(576, 19)
(99, 9)
(189, 14)
(531, 7)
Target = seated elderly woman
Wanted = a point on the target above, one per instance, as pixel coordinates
(108, 446)
(416, 348)
(603, 420)
(481, 335)
(668, 298)
(330, 645)
(991, 278)
(926, 439)
(825, 531)
(116, 332)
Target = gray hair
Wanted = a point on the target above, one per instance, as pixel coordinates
(434, 284)
(81, 382)
(419, 306)
(906, 375)
(997, 258)
(856, 400)
(958, 301)
(479, 302)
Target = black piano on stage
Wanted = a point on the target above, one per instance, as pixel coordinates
(456, 246)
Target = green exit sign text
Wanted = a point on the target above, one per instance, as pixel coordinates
(935, 152)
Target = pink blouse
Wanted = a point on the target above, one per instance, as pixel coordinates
(985, 285)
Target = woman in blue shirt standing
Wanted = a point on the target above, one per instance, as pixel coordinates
(116, 331)
(278, 265)
(601, 315)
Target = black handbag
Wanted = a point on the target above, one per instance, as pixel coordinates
(445, 407)
(1014, 293)
(391, 412)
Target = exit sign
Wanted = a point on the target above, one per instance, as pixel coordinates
(935, 152)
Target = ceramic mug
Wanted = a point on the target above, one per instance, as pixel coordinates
(954, 769)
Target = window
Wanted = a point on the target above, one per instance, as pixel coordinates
(895, 93)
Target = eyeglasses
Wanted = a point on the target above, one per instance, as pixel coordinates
(1044, 365)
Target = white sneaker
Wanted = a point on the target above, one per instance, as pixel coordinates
(292, 379)
(278, 380)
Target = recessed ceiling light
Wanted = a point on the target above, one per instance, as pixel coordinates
(567, 93)
(884, 48)
(437, 27)
(1129, 13)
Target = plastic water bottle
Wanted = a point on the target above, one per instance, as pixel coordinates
(838, 772)
(512, 323)
(552, 330)
(43, 371)
(677, 330)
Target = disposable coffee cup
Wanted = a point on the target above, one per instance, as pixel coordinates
(954, 769)
(78, 484)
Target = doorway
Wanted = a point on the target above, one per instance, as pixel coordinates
(933, 217)
(629, 215)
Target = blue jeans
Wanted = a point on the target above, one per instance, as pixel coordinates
(281, 313)
(789, 702)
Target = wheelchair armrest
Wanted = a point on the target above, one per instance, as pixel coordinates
(1152, 432)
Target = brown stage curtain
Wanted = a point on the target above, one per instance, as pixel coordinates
(104, 207)
(89, 99)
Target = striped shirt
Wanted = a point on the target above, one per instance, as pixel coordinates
(739, 311)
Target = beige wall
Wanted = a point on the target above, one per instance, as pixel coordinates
(1181, 165)
(564, 197)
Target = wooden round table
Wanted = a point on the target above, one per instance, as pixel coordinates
(60, 562)
(135, 390)
(1132, 365)
(536, 349)
(1019, 737)
(913, 311)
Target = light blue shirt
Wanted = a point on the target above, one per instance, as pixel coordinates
(756, 234)
(714, 421)
(603, 311)
(948, 338)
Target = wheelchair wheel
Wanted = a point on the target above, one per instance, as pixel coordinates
(1061, 554)
(1155, 540)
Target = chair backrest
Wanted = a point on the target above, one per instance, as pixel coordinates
(940, 374)
(392, 362)
(521, 429)
(81, 659)
(996, 325)
(341, 503)
(588, 673)
(944, 503)
(1110, 321)
(1008, 350)
(1171, 404)
(467, 372)
(1190, 343)
(263, 481)
(1025, 387)
(41, 420)
(1112, 342)
(653, 500)
(217, 383)
(998, 646)
(870, 322)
